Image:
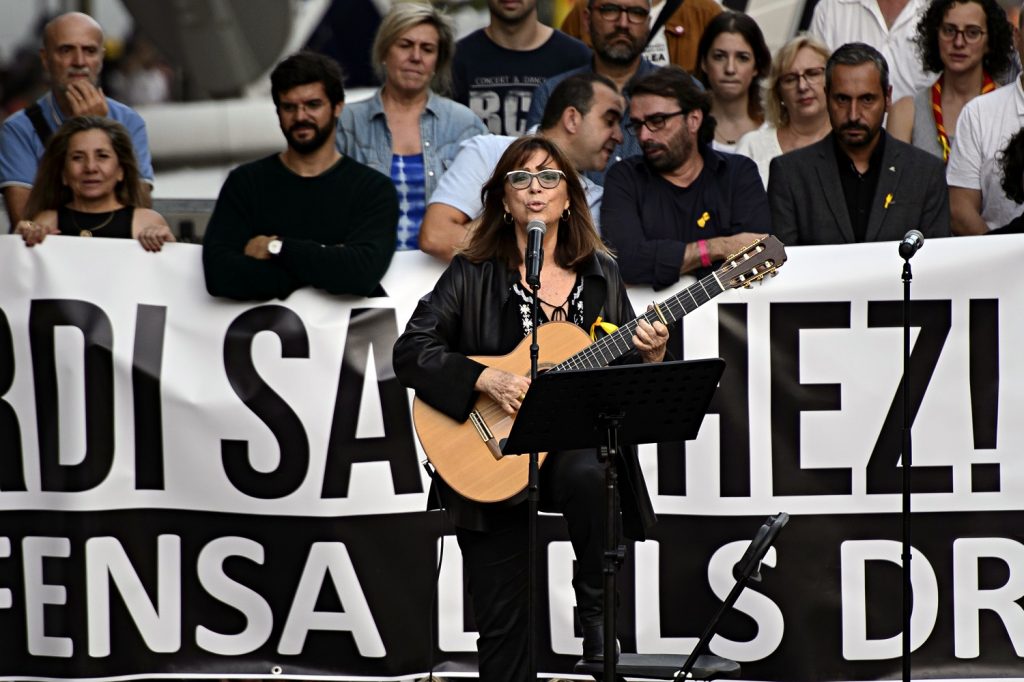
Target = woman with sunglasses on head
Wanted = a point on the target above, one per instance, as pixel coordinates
(794, 104)
(480, 306)
(732, 58)
(970, 43)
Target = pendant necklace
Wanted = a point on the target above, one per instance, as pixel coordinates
(83, 232)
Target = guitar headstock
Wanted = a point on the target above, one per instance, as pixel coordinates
(759, 260)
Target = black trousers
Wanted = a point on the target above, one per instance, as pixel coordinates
(496, 563)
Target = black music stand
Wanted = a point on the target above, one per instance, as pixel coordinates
(605, 408)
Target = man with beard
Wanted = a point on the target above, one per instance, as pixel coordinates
(72, 56)
(618, 33)
(307, 216)
(583, 118)
(496, 69)
(858, 184)
(681, 206)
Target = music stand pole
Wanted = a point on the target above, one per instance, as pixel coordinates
(603, 407)
(614, 553)
(905, 469)
(533, 505)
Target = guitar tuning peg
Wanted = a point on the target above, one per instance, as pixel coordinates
(774, 273)
(747, 286)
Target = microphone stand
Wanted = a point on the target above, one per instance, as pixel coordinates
(533, 500)
(905, 468)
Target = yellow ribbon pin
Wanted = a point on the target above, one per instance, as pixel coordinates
(606, 327)
(703, 220)
(888, 200)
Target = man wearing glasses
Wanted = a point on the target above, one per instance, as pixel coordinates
(583, 118)
(676, 42)
(858, 184)
(681, 206)
(307, 216)
(618, 32)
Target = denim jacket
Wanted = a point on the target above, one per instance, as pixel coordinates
(363, 134)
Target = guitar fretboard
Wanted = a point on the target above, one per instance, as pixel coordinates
(609, 348)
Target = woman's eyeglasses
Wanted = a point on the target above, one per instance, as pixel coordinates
(971, 34)
(548, 179)
(812, 76)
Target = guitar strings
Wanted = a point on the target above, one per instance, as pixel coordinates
(595, 355)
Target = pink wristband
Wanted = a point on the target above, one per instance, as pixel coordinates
(705, 259)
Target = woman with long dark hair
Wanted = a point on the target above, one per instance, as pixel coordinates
(480, 306)
(88, 185)
(732, 58)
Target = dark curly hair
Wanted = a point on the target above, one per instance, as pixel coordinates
(1011, 162)
(997, 60)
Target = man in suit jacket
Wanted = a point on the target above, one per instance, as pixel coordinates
(858, 184)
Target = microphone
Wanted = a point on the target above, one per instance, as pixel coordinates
(535, 230)
(912, 241)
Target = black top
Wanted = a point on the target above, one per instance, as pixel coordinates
(116, 224)
(338, 230)
(859, 189)
(497, 83)
(648, 221)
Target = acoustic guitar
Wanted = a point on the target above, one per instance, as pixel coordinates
(468, 456)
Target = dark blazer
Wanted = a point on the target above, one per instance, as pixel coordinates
(808, 205)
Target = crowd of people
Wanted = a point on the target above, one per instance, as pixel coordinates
(651, 138)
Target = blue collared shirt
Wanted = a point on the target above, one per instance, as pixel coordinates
(21, 148)
(363, 134)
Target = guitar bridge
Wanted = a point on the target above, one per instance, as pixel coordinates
(485, 434)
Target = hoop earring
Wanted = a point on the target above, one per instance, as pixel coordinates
(566, 214)
(507, 217)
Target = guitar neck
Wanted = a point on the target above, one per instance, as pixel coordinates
(610, 348)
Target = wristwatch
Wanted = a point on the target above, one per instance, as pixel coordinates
(274, 246)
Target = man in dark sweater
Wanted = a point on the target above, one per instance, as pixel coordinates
(307, 216)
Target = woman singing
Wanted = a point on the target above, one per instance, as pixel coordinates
(478, 308)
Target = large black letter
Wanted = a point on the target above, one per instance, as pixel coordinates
(790, 398)
(933, 318)
(98, 339)
(375, 328)
(265, 403)
(12, 472)
(146, 360)
(731, 402)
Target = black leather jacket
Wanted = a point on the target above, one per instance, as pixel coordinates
(463, 316)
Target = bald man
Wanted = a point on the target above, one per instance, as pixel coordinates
(72, 55)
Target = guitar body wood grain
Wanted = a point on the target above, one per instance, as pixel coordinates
(458, 451)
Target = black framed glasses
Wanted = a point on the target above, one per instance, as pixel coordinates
(654, 122)
(548, 178)
(312, 106)
(611, 12)
(971, 34)
(812, 76)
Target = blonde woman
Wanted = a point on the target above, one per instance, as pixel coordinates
(407, 131)
(796, 110)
